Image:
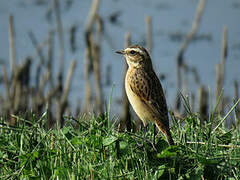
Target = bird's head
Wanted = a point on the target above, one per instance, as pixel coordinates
(136, 56)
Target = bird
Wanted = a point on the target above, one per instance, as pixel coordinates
(144, 90)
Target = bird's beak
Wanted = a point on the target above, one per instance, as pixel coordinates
(120, 52)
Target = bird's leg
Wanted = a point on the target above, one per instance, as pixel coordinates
(144, 135)
(145, 132)
(154, 137)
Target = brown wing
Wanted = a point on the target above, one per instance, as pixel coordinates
(153, 96)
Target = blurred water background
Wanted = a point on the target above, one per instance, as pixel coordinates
(171, 20)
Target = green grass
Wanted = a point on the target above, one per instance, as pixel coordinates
(93, 149)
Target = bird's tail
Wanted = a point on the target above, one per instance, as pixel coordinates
(169, 138)
(166, 132)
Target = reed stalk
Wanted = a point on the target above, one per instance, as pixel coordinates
(126, 115)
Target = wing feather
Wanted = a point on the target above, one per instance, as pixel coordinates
(153, 96)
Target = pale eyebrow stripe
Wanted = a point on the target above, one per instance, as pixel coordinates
(135, 49)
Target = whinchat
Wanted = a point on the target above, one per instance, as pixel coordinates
(144, 89)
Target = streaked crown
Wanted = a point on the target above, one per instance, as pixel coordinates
(136, 56)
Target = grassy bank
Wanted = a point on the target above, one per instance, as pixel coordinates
(93, 149)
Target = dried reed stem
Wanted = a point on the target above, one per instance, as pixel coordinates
(72, 39)
(88, 53)
(50, 55)
(193, 30)
(88, 34)
(96, 66)
(41, 57)
(97, 73)
(203, 103)
(126, 115)
(196, 75)
(148, 21)
(185, 80)
(6, 83)
(192, 102)
(236, 97)
(183, 48)
(220, 70)
(12, 52)
(224, 51)
(63, 101)
(37, 47)
(88, 90)
(92, 15)
(61, 42)
(236, 90)
(68, 82)
(43, 82)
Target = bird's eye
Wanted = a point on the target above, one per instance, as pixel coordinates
(132, 52)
